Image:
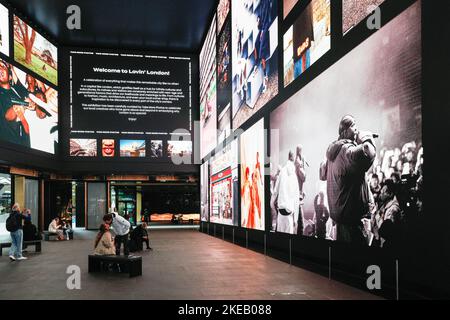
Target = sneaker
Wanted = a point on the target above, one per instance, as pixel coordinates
(22, 258)
(12, 258)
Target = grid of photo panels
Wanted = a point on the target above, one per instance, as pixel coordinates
(320, 185)
(29, 100)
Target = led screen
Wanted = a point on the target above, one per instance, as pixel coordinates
(346, 151)
(4, 30)
(204, 193)
(354, 11)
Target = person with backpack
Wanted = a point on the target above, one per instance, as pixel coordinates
(14, 226)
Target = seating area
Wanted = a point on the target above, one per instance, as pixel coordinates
(124, 264)
(36, 243)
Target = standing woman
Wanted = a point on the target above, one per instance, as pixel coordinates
(14, 226)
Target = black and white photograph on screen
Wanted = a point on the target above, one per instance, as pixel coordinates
(224, 68)
(252, 177)
(223, 9)
(156, 148)
(204, 193)
(83, 147)
(224, 185)
(354, 11)
(307, 40)
(208, 92)
(180, 149)
(348, 162)
(254, 57)
(4, 30)
(29, 110)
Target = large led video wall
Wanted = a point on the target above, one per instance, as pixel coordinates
(346, 150)
(35, 52)
(126, 106)
(224, 185)
(252, 177)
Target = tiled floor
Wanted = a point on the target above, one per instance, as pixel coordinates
(185, 264)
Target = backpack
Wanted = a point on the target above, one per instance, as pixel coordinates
(11, 223)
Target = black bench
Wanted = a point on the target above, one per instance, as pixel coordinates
(36, 243)
(127, 264)
(48, 234)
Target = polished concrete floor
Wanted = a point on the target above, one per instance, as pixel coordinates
(184, 264)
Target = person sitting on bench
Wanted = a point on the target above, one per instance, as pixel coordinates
(55, 227)
(121, 228)
(30, 232)
(138, 236)
(104, 244)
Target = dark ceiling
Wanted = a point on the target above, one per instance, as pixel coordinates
(160, 25)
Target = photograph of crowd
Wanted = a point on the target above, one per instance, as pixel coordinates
(346, 151)
(224, 68)
(156, 148)
(108, 148)
(83, 147)
(354, 11)
(208, 94)
(308, 39)
(28, 110)
(132, 148)
(254, 56)
(204, 193)
(224, 185)
(34, 51)
(4, 30)
(181, 149)
(252, 177)
(287, 6)
(222, 13)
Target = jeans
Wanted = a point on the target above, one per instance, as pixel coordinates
(16, 243)
(121, 239)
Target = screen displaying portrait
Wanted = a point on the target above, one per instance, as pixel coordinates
(354, 11)
(83, 147)
(308, 39)
(4, 30)
(287, 6)
(222, 13)
(108, 148)
(132, 148)
(156, 148)
(208, 93)
(252, 177)
(29, 110)
(34, 51)
(254, 57)
(346, 150)
(204, 191)
(224, 186)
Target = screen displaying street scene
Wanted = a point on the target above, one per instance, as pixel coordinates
(204, 191)
(354, 11)
(132, 148)
(224, 186)
(287, 6)
(224, 80)
(29, 110)
(252, 177)
(4, 30)
(347, 164)
(34, 51)
(208, 93)
(255, 57)
(83, 147)
(179, 149)
(308, 39)
(223, 9)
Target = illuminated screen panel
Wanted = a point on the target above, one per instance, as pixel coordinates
(29, 110)
(252, 177)
(222, 13)
(354, 11)
(308, 39)
(254, 57)
(208, 93)
(224, 186)
(34, 51)
(4, 30)
(353, 151)
(204, 191)
(287, 6)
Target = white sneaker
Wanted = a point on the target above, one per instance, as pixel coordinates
(22, 258)
(12, 258)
